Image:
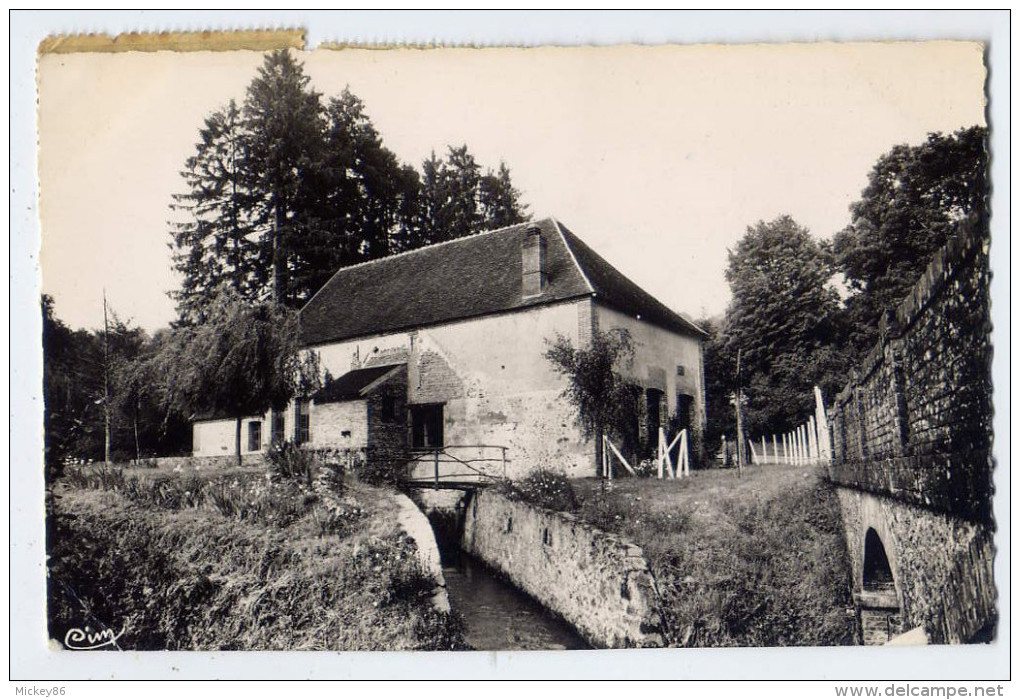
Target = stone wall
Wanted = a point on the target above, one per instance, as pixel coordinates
(598, 582)
(339, 424)
(911, 438)
(942, 565)
(915, 420)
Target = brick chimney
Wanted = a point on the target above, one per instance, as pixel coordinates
(534, 277)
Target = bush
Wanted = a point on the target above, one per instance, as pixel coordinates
(288, 461)
(544, 488)
(381, 467)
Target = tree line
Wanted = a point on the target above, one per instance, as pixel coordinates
(281, 191)
(788, 319)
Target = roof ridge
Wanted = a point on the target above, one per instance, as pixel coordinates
(430, 246)
(577, 264)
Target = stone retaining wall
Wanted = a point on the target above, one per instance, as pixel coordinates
(599, 582)
(414, 523)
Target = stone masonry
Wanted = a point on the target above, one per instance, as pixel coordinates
(911, 437)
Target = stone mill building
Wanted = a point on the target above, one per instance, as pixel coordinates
(443, 347)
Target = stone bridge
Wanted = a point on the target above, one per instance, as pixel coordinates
(911, 458)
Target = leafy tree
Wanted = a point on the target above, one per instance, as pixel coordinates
(915, 197)
(596, 387)
(72, 386)
(785, 320)
(242, 360)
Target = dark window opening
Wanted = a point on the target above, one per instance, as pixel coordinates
(653, 403)
(254, 435)
(546, 537)
(684, 406)
(277, 427)
(302, 421)
(509, 524)
(427, 426)
(389, 409)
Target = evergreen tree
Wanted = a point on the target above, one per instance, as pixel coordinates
(284, 129)
(286, 189)
(458, 200)
(500, 201)
(214, 244)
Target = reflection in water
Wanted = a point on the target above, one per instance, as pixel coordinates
(497, 616)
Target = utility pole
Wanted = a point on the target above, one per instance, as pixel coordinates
(106, 382)
(740, 420)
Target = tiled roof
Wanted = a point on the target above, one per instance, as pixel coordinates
(350, 386)
(467, 277)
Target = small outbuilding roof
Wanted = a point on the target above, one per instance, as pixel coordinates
(472, 276)
(353, 385)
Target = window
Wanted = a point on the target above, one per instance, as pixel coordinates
(254, 435)
(680, 371)
(302, 421)
(277, 427)
(427, 426)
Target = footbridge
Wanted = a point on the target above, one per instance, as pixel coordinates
(460, 467)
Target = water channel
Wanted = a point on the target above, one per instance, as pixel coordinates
(496, 616)
(499, 617)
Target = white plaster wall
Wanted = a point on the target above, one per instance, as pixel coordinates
(657, 348)
(497, 387)
(216, 437)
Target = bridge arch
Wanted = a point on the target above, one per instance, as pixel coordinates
(879, 603)
(876, 573)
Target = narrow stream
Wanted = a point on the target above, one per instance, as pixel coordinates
(496, 615)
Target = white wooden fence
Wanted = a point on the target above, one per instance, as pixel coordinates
(808, 442)
(663, 459)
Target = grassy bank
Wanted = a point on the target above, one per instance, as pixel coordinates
(752, 561)
(228, 561)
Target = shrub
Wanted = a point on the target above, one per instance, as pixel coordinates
(339, 519)
(289, 461)
(381, 467)
(544, 488)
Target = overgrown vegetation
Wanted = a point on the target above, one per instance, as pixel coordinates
(238, 561)
(544, 488)
(758, 561)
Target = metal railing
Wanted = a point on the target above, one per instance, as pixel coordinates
(461, 464)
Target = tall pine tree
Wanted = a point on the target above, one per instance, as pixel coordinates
(287, 188)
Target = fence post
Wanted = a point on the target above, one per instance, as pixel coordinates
(662, 450)
(503, 450)
(435, 463)
(775, 450)
(685, 467)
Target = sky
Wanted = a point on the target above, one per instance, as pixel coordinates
(658, 157)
